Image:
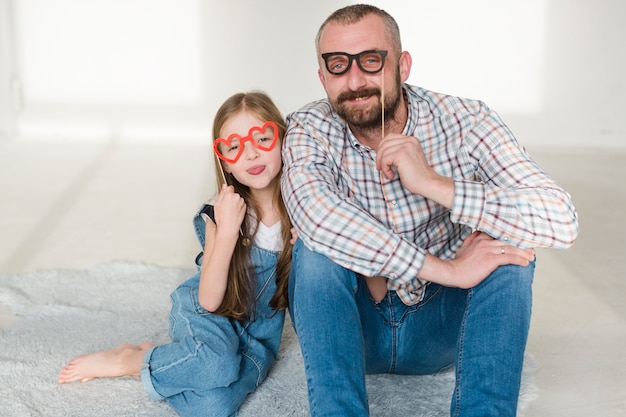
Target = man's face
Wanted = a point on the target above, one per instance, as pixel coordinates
(355, 95)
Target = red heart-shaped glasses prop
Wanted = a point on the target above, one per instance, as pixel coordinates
(263, 138)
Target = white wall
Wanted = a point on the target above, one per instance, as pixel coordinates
(8, 101)
(158, 69)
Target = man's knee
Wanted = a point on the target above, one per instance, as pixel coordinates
(515, 277)
(507, 292)
(311, 270)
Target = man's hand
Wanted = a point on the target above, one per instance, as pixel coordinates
(406, 154)
(294, 236)
(478, 256)
(377, 286)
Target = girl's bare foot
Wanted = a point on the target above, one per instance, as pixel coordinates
(120, 361)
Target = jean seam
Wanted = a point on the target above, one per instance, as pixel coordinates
(394, 339)
(457, 389)
(258, 367)
(303, 350)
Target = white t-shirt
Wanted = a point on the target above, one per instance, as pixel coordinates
(268, 237)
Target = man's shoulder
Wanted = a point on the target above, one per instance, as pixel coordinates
(318, 110)
(441, 104)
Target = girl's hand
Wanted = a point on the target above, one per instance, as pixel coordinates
(230, 210)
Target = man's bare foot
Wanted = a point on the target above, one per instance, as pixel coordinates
(120, 361)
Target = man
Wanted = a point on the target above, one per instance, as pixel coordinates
(416, 238)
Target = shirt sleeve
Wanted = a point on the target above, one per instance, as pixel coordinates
(329, 221)
(510, 197)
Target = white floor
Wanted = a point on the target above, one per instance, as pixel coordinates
(71, 205)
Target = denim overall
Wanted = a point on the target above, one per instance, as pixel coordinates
(213, 362)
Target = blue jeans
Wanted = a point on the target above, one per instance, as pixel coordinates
(344, 334)
(213, 363)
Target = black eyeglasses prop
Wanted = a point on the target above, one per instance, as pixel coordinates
(370, 61)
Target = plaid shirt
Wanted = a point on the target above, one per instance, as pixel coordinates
(342, 207)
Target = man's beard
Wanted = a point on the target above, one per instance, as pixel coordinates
(371, 117)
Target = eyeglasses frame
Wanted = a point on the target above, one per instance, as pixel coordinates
(357, 58)
(244, 139)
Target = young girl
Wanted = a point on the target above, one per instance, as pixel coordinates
(226, 321)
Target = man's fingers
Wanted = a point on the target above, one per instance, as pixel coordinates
(515, 255)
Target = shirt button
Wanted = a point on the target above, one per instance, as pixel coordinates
(465, 219)
(394, 202)
(505, 238)
(392, 275)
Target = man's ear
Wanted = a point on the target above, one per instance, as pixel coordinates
(322, 79)
(405, 66)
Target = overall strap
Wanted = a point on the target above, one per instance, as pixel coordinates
(200, 227)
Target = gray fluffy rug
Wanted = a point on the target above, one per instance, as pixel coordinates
(64, 313)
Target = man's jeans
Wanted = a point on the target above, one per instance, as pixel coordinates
(343, 334)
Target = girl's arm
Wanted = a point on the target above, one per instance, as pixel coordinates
(220, 241)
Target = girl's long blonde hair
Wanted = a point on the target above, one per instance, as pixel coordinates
(239, 300)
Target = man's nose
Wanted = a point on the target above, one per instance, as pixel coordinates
(356, 77)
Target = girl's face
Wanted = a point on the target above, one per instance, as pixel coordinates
(256, 168)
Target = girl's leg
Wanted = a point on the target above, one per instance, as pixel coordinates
(217, 402)
(124, 360)
(203, 353)
(213, 363)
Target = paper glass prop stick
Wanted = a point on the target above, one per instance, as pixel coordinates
(382, 99)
